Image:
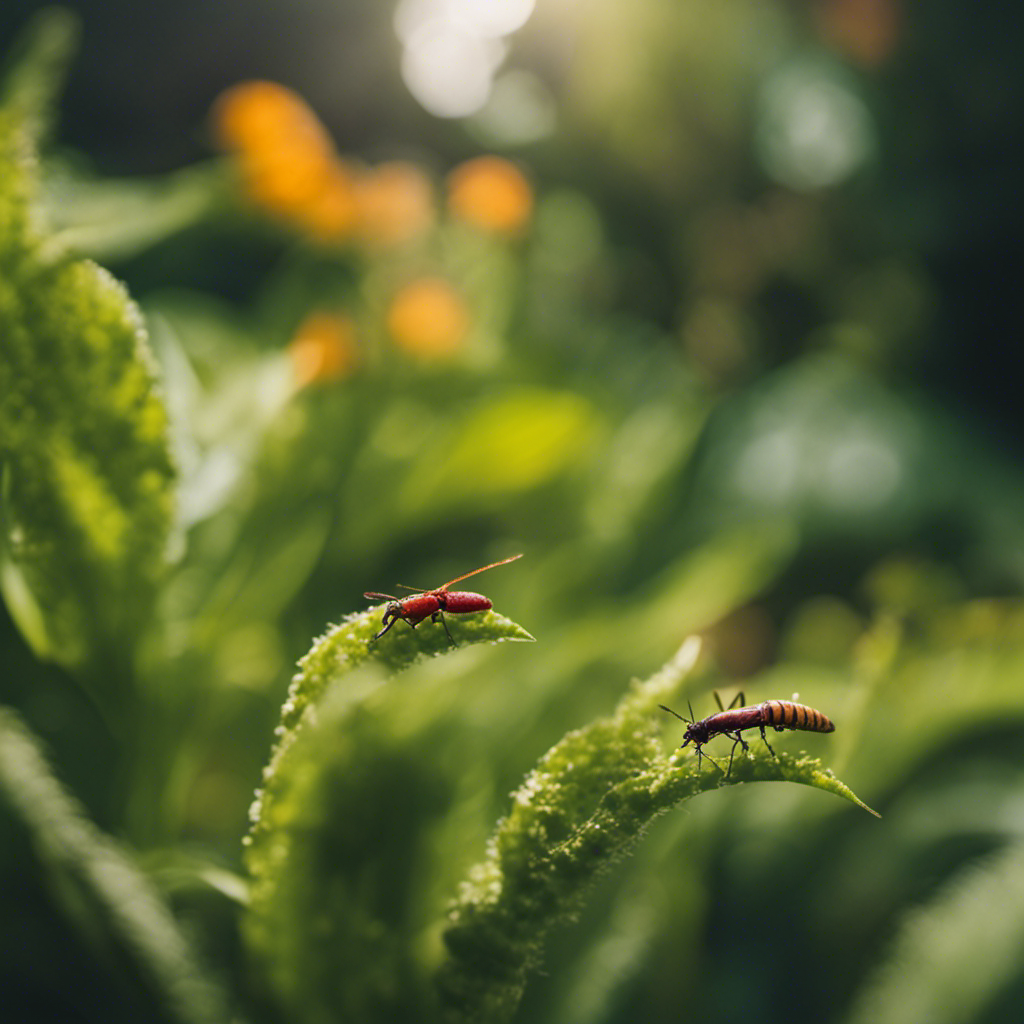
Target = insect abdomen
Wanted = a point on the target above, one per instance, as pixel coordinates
(784, 714)
(461, 602)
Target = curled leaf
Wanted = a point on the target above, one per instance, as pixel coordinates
(345, 647)
(581, 809)
(344, 833)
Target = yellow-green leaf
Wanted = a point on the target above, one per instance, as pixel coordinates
(87, 474)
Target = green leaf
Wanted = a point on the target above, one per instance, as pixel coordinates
(343, 845)
(87, 475)
(38, 66)
(111, 220)
(342, 650)
(584, 807)
(952, 956)
(504, 446)
(99, 886)
(928, 683)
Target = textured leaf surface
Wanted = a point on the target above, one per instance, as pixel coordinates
(585, 806)
(38, 68)
(342, 650)
(87, 474)
(350, 643)
(346, 824)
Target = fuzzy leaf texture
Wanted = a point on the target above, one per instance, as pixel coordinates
(342, 650)
(350, 851)
(86, 469)
(344, 835)
(583, 808)
(98, 885)
(38, 66)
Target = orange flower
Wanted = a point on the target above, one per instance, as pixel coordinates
(428, 318)
(257, 117)
(285, 182)
(286, 159)
(396, 203)
(331, 214)
(491, 193)
(323, 348)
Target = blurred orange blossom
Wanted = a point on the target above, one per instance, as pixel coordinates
(427, 317)
(491, 193)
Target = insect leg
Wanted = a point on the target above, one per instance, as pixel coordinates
(438, 616)
(390, 618)
(738, 701)
(700, 753)
(737, 739)
(766, 743)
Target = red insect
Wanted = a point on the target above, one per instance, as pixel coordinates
(434, 603)
(779, 714)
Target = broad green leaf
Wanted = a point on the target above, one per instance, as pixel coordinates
(342, 650)
(97, 884)
(584, 807)
(87, 475)
(349, 842)
(507, 445)
(343, 846)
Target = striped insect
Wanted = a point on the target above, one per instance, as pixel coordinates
(433, 604)
(731, 721)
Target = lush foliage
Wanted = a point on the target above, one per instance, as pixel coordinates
(413, 377)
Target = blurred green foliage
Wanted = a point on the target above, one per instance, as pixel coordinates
(691, 411)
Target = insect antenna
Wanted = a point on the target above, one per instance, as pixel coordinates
(483, 568)
(688, 721)
(372, 595)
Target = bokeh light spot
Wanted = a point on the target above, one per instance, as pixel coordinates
(520, 110)
(453, 49)
(323, 349)
(449, 71)
(489, 18)
(860, 472)
(814, 131)
(769, 469)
